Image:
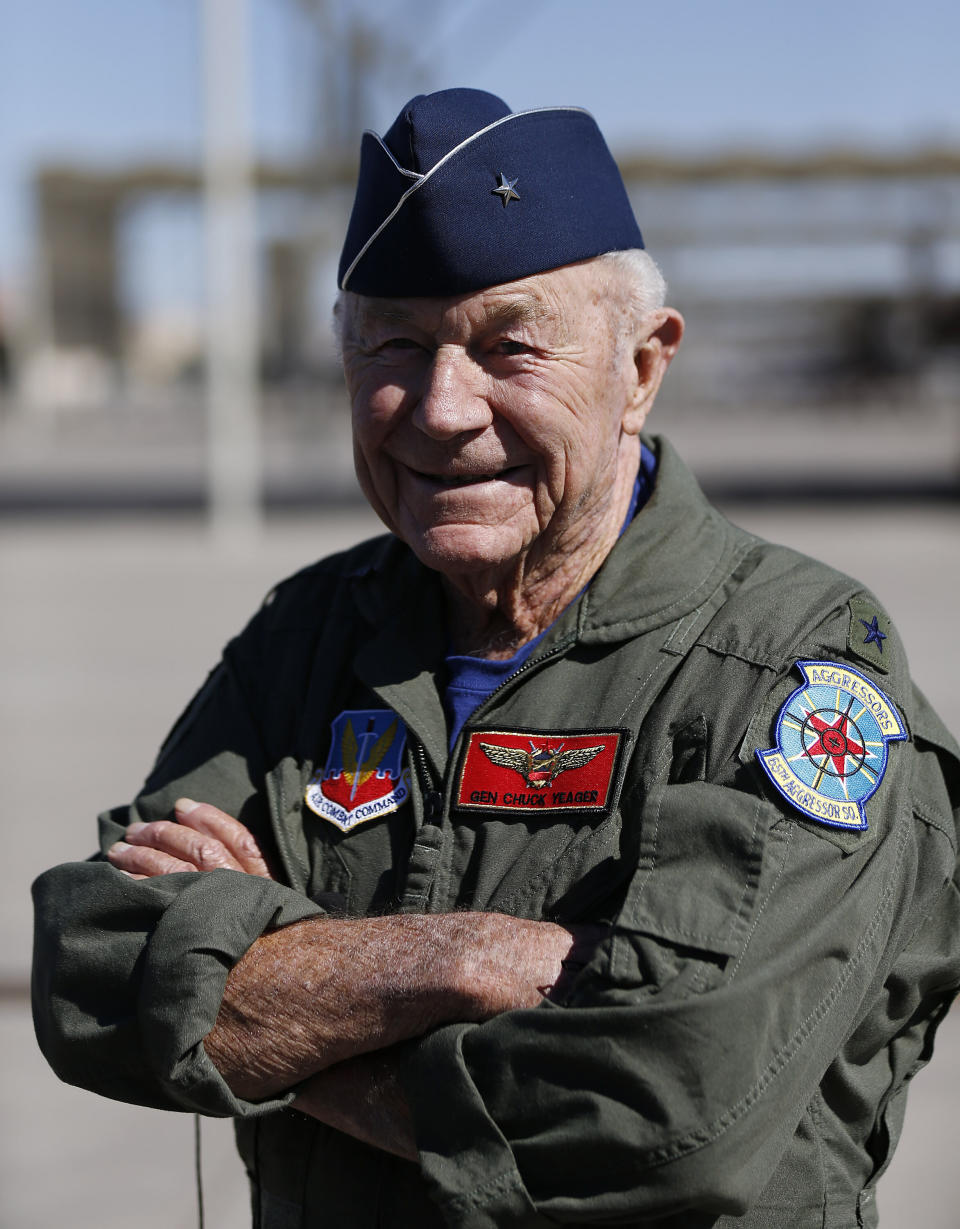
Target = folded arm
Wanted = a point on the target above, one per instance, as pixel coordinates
(322, 991)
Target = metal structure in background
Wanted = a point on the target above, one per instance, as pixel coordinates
(822, 292)
(232, 349)
(839, 264)
(833, 278)
(355, 49)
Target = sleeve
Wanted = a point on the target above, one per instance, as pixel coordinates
(128, 974)
(672, 1078)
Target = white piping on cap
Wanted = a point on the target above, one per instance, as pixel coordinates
(386, 149)
(422, 179)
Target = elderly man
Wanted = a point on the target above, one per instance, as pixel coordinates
(566, 855)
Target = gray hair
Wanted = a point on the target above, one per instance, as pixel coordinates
(644, 284)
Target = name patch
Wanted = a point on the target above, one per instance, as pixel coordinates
(541, 772)
(831, 750)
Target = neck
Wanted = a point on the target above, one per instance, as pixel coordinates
(495, 613)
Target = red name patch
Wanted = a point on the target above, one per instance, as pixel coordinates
(533, 770)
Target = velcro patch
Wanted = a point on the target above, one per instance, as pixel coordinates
(541, 771)
(868, 633)
(364, 777)
(831, 749)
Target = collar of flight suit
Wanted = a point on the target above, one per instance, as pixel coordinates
(675, 554)
(670, 561)
(671, 558)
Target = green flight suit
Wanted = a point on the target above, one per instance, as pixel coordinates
(740, 1044)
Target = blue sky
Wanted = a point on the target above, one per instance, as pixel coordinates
(105, 81)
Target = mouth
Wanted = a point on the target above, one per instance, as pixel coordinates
(450, 482)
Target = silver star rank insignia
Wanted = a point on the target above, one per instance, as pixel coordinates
(506, 189)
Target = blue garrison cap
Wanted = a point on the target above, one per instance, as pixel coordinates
(461, 193)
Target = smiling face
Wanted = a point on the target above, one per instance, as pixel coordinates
(496, 430)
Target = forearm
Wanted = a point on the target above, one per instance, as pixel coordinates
(363, 1097)
(129, 976)
(323, 991)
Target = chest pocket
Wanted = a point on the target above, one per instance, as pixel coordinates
(536, 831)
(578, 870)
(694, 889)
(361, 871)
(564, 873)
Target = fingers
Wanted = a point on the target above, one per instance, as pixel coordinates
(236, 839)
(204, 839)
(162, 847)
(142, 862)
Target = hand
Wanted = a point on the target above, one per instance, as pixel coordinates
(505, 962)
(363, 1097)
(204, 838)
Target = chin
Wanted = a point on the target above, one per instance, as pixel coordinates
(456, 549)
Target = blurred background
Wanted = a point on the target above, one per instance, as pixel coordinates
(175, 179)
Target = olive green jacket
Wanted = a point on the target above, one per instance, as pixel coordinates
(741, 1042)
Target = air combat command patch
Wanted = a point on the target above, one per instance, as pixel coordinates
(363, 777)
(831, 750)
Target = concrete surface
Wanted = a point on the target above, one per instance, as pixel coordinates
(105, 631)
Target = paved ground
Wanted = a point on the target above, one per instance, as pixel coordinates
(105, 629)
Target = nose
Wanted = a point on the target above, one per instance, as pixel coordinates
(451, 401)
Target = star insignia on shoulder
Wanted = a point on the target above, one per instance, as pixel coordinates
(506, 189)
(874, 634)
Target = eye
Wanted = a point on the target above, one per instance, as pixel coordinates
(508, 348)
(400, 343)
(399, 352)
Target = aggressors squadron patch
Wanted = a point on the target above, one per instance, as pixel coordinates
(363, 777)
(539, 772)
(831, 750)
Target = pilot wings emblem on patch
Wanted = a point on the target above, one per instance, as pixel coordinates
(540, 766)
(541, 770)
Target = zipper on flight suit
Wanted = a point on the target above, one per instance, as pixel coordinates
(557, 651)
(432, 797)
(417, 880)
(432, 794)
(426, 854)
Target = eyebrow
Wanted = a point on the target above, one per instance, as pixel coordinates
(386, 311)
(517, 311)
(528, 310)
(391, 311)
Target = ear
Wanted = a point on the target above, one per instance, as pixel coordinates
(659, 336)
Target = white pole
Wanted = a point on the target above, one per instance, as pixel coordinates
(232, 347)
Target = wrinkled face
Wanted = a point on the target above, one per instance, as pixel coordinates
(487, 427)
